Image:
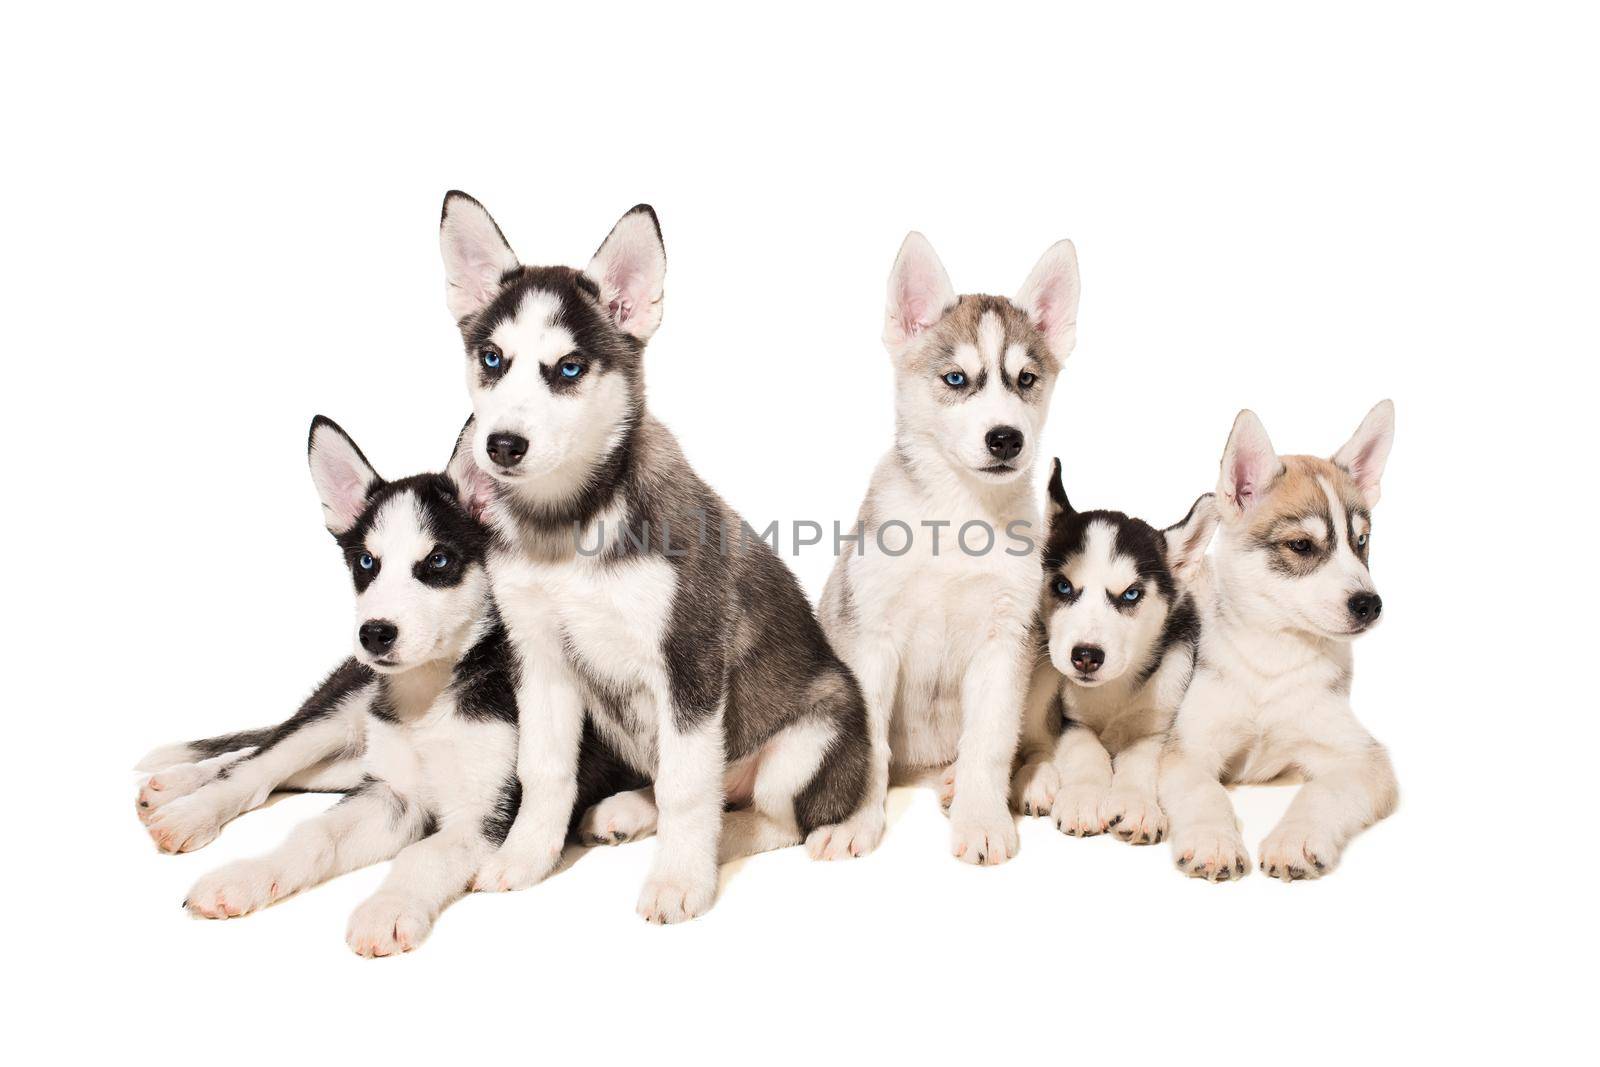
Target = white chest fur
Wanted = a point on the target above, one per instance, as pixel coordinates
(441, 761)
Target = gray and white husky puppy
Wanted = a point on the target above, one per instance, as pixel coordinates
(1118, 632)
(936, 628)
(626, 583)
(418, 729)
(1281, 599)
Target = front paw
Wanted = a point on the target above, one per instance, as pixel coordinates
(234, 890)
(856, 836)
(174, 783)
(1133, 816)
(624, 817)
(676, 899)
(1077, 811)
(513, 868)
(186, 824)
(1034, 789)
(1215, 853)
(1294, 853)
(387, 925)
(986, 838)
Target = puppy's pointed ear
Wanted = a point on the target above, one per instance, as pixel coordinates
(1057, 492)
(475, 253)
(1050, 297)
(1365, 454)
(919, 293)
(474, 488)
(343, 477)
(1188, 540)
(630, 268)
(1249, 464)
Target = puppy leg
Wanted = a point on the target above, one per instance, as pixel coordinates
(1034, 786)
(549, 734)
(1205, 832)
(683, 877)
(426, 877)
(876, 666)
(982, 830)
(1131, 810)
(1344, 794)
(1084, 768)
(179, 780)
(193, 821)
(360, 830)
(622, 817)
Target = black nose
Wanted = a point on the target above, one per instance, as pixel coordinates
(1004, 442)
(1366, 607)
(378, 636)
(1088, 658)
(507, 449)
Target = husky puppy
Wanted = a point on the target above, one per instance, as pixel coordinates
(433, 684)
(1118, 633)
(628, 586)
(936, 628)
(193, 789)
(1283, 596)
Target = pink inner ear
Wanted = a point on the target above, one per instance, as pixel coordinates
(349, 493)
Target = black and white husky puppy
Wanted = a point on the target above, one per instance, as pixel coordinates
(1118, 632)
(419, 727)
(937, 632)
(628, 586)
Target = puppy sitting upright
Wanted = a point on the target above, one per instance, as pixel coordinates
(1120, 632)
(628, 586)
(1285, 593)
(933, 611)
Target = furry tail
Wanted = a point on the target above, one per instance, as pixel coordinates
(205, 748)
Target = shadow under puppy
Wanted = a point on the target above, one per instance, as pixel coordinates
(1117, 634)
(425, 716)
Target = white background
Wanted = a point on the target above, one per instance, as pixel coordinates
(222, 224)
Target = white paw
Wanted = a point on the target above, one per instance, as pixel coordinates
(1133, 816)
(186, 824)
(1293, 853)
(1077, 811)
(387, 924)
(674, 900)
(985, 838)
(512, 869)
(624, 817)
(163, 787)
(237, 889)
(1033, 790)
(1215, 853)
(856, 836)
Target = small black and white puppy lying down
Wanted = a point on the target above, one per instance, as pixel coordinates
(1117, 632)
(419, 728)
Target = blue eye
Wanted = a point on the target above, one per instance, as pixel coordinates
(1027, 378)
(438, 561)
(571, 370)
(1361, 540)
(367, 562)
(1063, 587)
(492, 358)
(1132, 594)
(955, 379)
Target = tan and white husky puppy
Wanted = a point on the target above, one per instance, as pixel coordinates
(1283, 595)
(932, 607)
